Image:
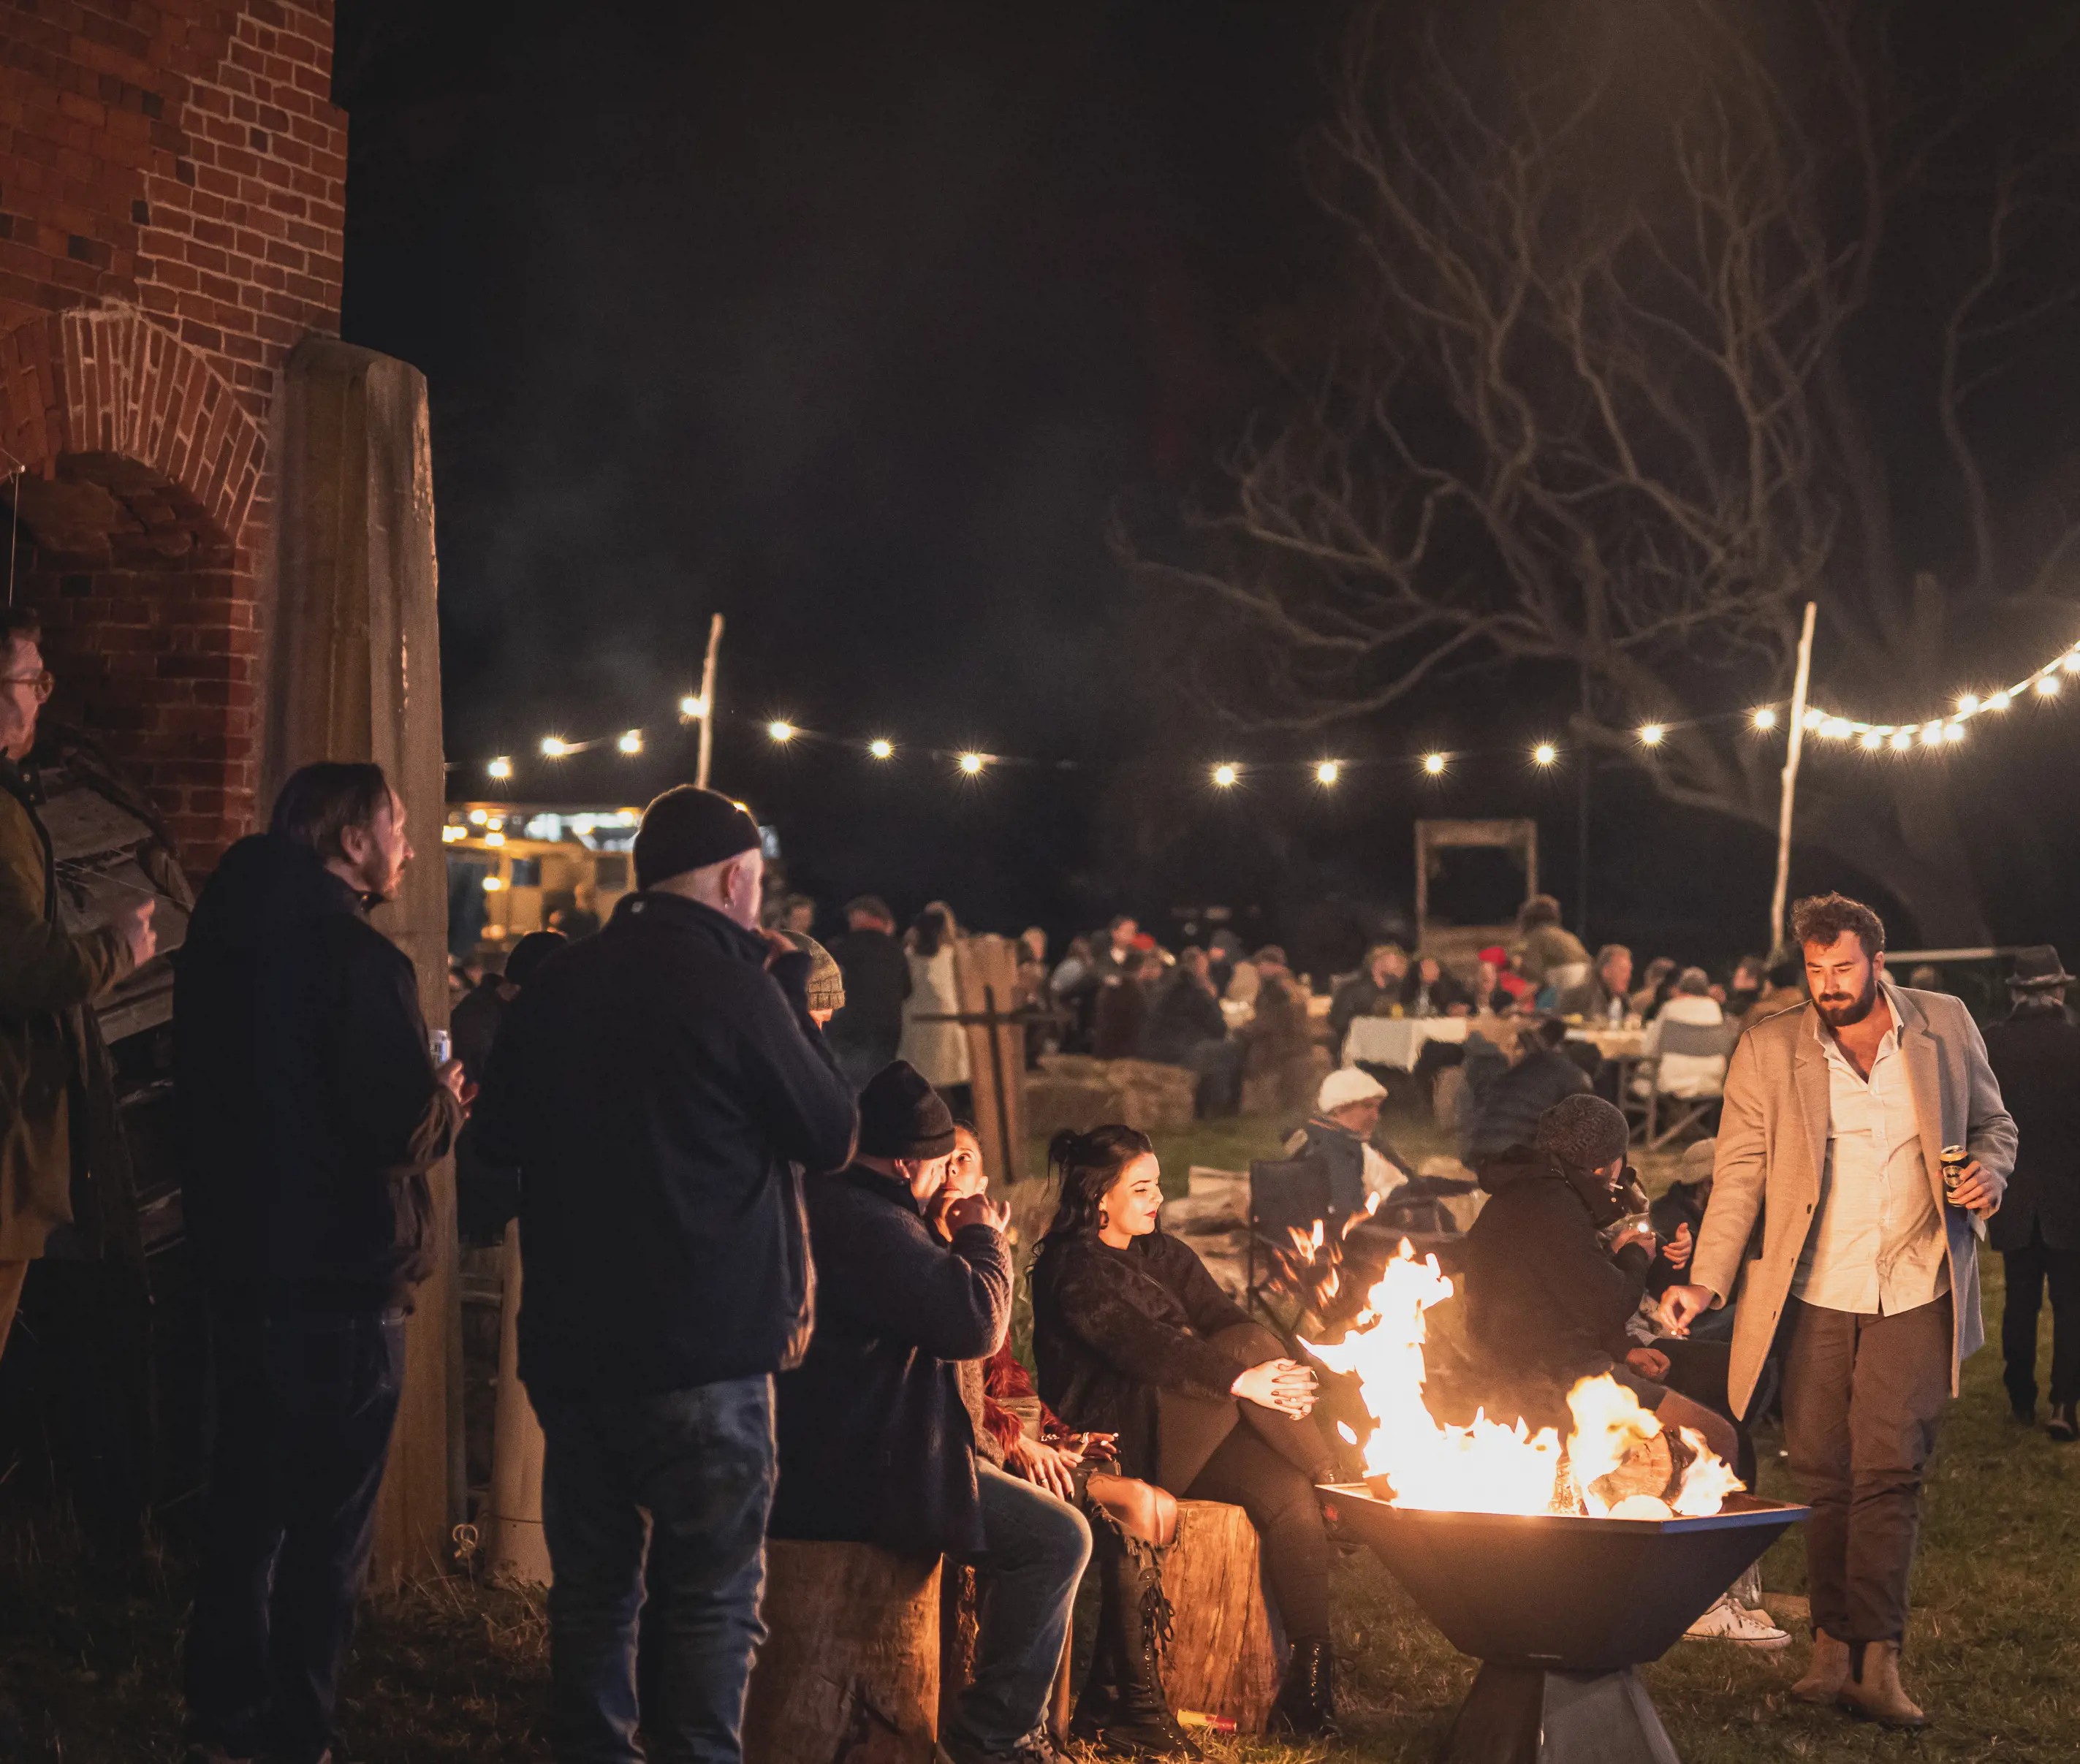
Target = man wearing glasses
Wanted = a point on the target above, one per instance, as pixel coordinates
(48, 976)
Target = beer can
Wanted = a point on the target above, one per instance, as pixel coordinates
(444, 1046)
(1955, 1157)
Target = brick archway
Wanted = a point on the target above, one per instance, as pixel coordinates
(139, 516)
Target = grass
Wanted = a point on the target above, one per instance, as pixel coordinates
(453, 1671)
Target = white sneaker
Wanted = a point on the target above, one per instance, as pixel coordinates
(1725, 1621)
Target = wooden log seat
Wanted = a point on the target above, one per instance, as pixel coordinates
(1223, 1658)
(849, 1670)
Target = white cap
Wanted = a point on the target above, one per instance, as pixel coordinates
(1347, 1085)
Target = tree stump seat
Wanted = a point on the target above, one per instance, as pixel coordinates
(1225, 1655)
(849, 1670)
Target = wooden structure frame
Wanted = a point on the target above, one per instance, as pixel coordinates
(1434, 836)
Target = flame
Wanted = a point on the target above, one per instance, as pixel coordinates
(1490, 1467)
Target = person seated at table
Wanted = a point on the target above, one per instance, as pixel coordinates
(875, 1442)
(1602, 998)
(1509, 1088)
(1120, 1020)
(1553, 957)
(1132, 1336)
(1685, 1075)
(1430, 990)
(1121, 1709)
(1278, 1041)
(1496, 972)
(1187, 1029)
(1375, 990)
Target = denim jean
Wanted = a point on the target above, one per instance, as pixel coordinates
(1035, 1547)
(304, 1407)
(699, 1463)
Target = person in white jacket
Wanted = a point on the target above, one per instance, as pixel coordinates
(938, 1049)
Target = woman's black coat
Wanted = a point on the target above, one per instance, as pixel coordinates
(1121, 1339)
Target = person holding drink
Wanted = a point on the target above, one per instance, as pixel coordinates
(1831, 1221)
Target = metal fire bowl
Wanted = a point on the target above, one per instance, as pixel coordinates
(1558, 1593)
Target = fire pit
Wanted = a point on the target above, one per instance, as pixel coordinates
(1560, 1609)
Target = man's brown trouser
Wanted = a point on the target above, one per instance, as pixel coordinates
(12, 1274)
(1861, 1397)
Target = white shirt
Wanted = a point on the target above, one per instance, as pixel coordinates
(1877, 1244)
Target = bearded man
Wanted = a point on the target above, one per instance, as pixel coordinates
(1829, 1221)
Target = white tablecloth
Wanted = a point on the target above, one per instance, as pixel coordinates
(1397, 1040)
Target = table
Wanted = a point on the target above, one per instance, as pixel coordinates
(1398, 1041)
(1613, 1044)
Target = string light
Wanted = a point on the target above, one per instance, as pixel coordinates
(631, 742)
(1433, 763)
(1954, 731)
(494, 839)
(2047, 686)
(1968, 704)
(782, 732)
(1225, 777)
(500, 768)
(1902, 740)
(1766, 717)
(972, 763)
(1327, 772)
(1545, 753)
(554, 746)
(1998, 702)
(692, 707)
(1651, 736)
(882, 750)
(1872, 740)
(492, 885)
(478, 817)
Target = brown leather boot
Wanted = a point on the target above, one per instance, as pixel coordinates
(1875, 1691)
(1826, 1673)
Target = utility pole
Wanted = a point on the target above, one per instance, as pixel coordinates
(1793, 747)
(708, 703)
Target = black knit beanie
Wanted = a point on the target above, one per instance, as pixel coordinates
(689, 829)
(901, 1115)
(1582, 1132)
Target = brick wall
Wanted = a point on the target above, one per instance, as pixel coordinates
(172, 206)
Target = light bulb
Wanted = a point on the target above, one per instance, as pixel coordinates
(1835, 728)
(1968, 704)
(1225, 776)
(1954, 731)
(781, 731)
(972, 763)
(1545, 753)
(1766, 718)
(1327, 772)
(554, 746)
(882, 750)
(1814, 718)
(1872, 741)
(1902, 740)
(500, 768)
(692, 707)
(631, 742)
(2047, 686)
(1999, 701)
(1651, 734)
(1433, 763)
(492, 885)
(1932, 735)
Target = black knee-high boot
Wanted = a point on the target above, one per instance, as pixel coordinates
(1122, 1710)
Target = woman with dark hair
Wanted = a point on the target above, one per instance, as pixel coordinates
(1132, 1337)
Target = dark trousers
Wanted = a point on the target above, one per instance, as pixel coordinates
(2029, 1271)
(304, 1407)
(1861, 1397)
(679, 1481)
(1700, 1371)
(1035, 1547)
(1246, 1471)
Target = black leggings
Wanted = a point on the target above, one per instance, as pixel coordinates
(1246, 1472)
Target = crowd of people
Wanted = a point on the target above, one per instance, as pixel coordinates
(768, 1293)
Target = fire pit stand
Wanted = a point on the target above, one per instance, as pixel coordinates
(1561, 1611)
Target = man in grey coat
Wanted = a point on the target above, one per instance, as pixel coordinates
(1829, 1222)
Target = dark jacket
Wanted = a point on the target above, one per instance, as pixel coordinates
(1591, 1001)
(876, 1443)
(473, 1024)
(1342, 1154)
(309, 1110)
(1502, 1103)
(865, 1033)
(2035, 1052)
(1183, 1015)
(1120, 1018)
(51, 1055)
(1115, 1331)
(1361, 995)
(1445, 992)
(656, 1086)
(1546, 1305)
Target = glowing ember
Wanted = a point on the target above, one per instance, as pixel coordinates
(1488, 1467)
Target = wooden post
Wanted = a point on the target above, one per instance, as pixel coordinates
(354, 672)
(1794, 747)
(708, 702)
(986, 971)
(515, 1549)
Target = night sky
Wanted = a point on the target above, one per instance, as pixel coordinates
(862, 326)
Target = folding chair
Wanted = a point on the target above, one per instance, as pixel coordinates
(1285, 1195)
(1668, 1116)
